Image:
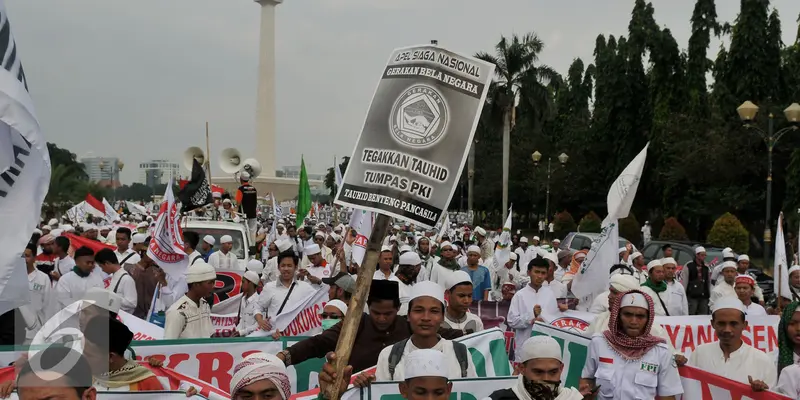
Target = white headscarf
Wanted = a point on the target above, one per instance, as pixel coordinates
(260, 366)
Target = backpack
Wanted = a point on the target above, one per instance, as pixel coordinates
(396, 354)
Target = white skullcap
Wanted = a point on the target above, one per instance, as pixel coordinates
(338, 228)
(668, 260)
(91, 227)
(727, 249)
(621, 249)
(634, 300)
(227, 201)
(335, 237)
(395, 226)
(386, 248)
(556, 241)
(142, 225)
(727, 254)
(57, 232)
(523, 239)
(200, 272)
(513, 256)
(225, 239)
(104, 299)
(255, 266)
(699, 249)
(244, 175)
(793, 269)
(283, 245)
(480, 231)
(445, 244)
(311, 249)
(45, 228)
(728, 302)
(623, 282)
(68, 228)
(474, 249)
(37, 231)
(405, 248)
(251, 276)
(52, 221)
(457, 277)
(336, 303)
(319, 234)
(280, 226)
(743, 257)
(580, 255)
(728, 264)
(210, 239)
(635, 255)
(410, 258)
(427, 288)
(536, 238)
(540, 347)
(216, 195)
(653, 264)
(425, 363)
(138, 238)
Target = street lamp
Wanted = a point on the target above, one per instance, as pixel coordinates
(747, 113)
(536, 157)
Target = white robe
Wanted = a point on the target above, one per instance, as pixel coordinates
(43, 304)
(520, 312)
(747, 361)
(789, 381)
(677, 303)
(722, 289)
(218, 260)
(247, 315)
(126, 288)
(71, 287)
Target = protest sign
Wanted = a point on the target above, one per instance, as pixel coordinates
(418, 130)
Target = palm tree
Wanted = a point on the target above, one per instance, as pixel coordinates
(519, 78)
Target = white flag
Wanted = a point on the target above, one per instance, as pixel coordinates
(111, 213)
(77, 214)
(134, 208)
(781, 266)
(273, 232)
(337, 173)
(363, 227)
(24, 171)
(503, 252)
(444, 228)
(166, 247)
(592, 277)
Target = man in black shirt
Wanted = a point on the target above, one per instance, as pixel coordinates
(247, 198)
(697, 282)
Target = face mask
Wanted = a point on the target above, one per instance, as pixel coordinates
(328, 323)
(542, 389)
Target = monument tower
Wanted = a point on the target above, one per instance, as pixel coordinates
(265, 101)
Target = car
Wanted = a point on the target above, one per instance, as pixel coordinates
(682, 252)
(765, 282)
(577, 240)
(218, 229)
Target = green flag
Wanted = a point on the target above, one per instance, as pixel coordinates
(303, 196)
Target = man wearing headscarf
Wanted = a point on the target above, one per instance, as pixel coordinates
(446, 265)
(742, 265)
(574, 265)
(789, 351)
(425, 252)
(564, 257)
(46, 260)
(744, 291)
(408, 270)
(677, 304)
(794, 284)
(730, 357)
(627, 351)
(540, 374)
(262, 375)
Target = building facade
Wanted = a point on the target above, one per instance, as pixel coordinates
(104, 170)
(155, 172)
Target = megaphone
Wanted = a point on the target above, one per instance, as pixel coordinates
(252, 167)
(230, 161)
(191, 154)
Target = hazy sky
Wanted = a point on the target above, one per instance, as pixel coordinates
(138, 79)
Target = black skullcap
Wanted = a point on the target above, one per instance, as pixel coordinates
(109, 333)
(384, 290)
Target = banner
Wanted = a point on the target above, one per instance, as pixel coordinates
(409, 155)
(166, 246)
(361, 221)
(111, 215)
(141, 329)
(77, 214)
(301, 318)
(134, 208)
(697, 384)
(138, 396)
(24, 169)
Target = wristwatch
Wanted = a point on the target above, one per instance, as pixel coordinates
(287, 357)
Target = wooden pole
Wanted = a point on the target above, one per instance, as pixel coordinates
(208, 156)
(356, 307)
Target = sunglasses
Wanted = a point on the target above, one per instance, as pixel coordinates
(329, 316)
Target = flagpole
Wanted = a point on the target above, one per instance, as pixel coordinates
(208, 156)
(335, 190)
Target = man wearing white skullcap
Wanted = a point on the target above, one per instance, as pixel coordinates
(480, 276)
(730, 357)
(325, 252)
(531, 302)
(425, 314)
(207, 246)
(457, 315)
(317, 267)
(628, 349)
(385, 264)
(656, 287)
(333, 313)
(190, 316)
(742, 265)
(408, 270)
(794, 284)
(512, 272)
(426, 376)
(525, 252)
(262, 376)
(724, 287)
(540, 373)
(618, 283)
(678, 304)
(446, 265)
(486, 245)
(224, 258)
(695, 279)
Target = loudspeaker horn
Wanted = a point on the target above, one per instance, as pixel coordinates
(191, 154)
(252, 167)
(230, 161)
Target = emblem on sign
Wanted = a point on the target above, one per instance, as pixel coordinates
(419, 117)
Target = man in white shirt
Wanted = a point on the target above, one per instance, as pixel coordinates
(190, 242)
(224, 258)
(731, 357)
(42, 305)
(524, 252)
(63, 263)
(190, 316)
(407, 272)
(385, 264)
(124, 253)
(656, 287)
(121, 283)
(285, 291)
(318, 267)
(446, 265)
(247, 323)
(486, 245)
(457, 315)
(724, 287)
(677, 304)
(530, 302)
(742, 265)
(74, 284)
(618, 283)
(425, 315)
(744, 287)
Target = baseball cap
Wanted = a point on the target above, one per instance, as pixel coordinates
(342, 280)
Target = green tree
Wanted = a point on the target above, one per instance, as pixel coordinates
(330, 177)
(563, 224)
(630, 229)
(518, 77)
(728, 231)
(590, 223)
(672, 230)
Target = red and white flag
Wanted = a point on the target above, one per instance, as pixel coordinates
(361, 221)
(166, 247)
(24, 170)
(93, 206)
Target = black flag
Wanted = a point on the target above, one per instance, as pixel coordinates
(197, 192)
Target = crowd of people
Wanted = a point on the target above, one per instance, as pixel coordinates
(419, 300)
